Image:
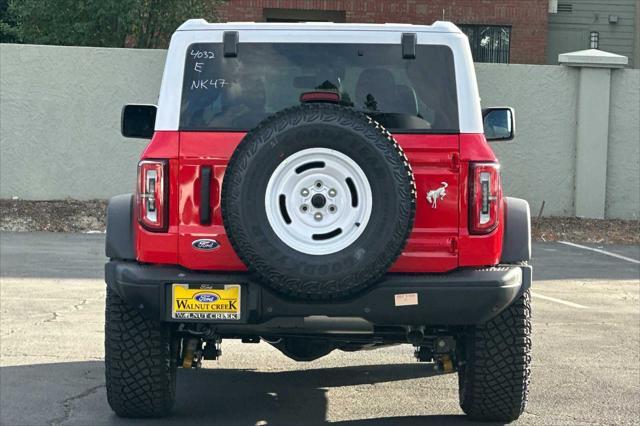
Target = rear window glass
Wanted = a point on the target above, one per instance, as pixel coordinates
(224, 93)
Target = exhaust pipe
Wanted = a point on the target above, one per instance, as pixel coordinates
(415, 335)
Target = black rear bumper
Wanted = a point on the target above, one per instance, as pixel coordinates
(460, 297)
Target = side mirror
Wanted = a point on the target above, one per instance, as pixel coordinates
(138, 121)
(499, 124)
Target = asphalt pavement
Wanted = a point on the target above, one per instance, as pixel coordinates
(586, 356)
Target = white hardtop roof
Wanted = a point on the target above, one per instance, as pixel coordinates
(200, 31)
(203, 25)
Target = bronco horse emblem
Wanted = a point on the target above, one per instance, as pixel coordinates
(434, 194)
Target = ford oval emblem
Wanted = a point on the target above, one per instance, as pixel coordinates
(205, 244)
(206, 297)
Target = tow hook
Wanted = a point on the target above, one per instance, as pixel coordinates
(192, 353)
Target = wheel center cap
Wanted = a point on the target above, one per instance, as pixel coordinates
(318, 201)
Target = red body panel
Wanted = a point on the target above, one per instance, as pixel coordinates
(199, 149)
(440, 240)
(432, 245)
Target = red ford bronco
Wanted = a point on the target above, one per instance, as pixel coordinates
(319, 187)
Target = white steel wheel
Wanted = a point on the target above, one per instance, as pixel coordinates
(318, 201)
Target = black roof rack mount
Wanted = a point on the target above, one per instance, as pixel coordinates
(230, 44)
(409, 45)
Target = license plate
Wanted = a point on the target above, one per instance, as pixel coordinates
(205, 302)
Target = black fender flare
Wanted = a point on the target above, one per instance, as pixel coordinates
(516, 243)
(120, 238)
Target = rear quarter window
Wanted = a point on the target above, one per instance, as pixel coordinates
(235, 93)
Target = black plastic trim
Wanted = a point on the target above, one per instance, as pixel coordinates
(460, 297)
(205, 195)
(409, 41)
(230, 44)
(516, 242)
(120, 238)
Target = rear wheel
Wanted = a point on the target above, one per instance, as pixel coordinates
(140, 362)
(494, 378)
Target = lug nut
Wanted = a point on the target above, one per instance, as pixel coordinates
(304, 208)
(332, 209)
(333, 192)
(318, 216)
(304, 192)
(318, 184)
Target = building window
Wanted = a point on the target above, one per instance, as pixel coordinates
(489, 43)
(594, 39)
(565, 8)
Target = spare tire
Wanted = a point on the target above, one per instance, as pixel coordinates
(318, 201)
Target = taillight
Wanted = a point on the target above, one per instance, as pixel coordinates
(152, 195)
(484, 193)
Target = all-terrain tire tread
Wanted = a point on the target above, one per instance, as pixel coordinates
(239, 237)
(139, 369)
(494, 380)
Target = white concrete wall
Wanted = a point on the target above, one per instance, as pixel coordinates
(60, 119)
(60, 126)
(623, 156)
(539, 164)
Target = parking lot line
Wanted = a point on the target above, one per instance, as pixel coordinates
(562, 302)
(608, 253)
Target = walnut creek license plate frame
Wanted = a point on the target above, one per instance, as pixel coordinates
(206, 302)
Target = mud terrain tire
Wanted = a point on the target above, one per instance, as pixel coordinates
(140, 368)
(328, 130)
(494, 379)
